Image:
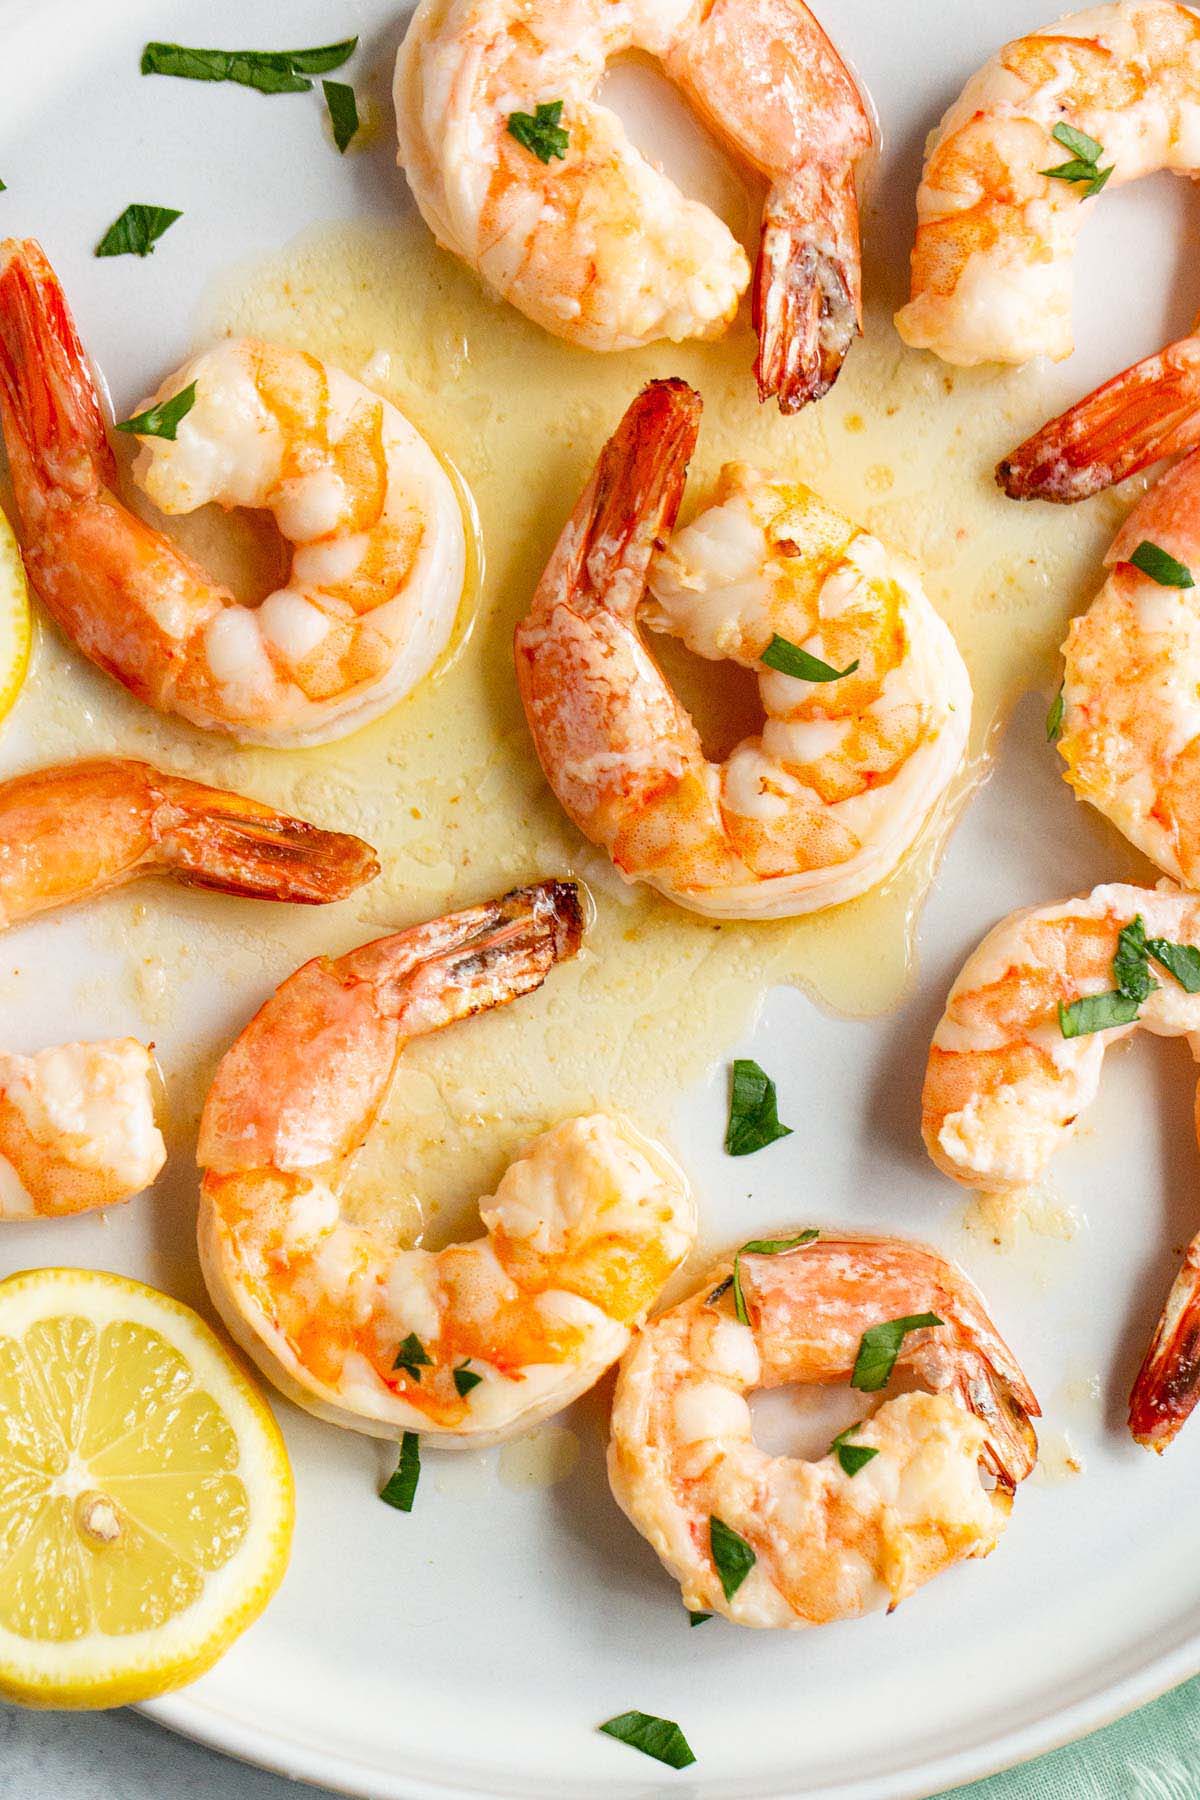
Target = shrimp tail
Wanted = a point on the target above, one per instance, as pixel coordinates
(807, 287)
(632, 500)
(206, 837)
(471, 961)
(347, 1021)
(1149, 411)
(1168, 1382)
(50, 406)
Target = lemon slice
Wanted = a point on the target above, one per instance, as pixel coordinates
(146, 1499)
(15, 629)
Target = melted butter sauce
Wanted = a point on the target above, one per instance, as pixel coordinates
(447, 787)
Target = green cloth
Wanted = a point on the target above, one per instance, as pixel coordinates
(1153, 1754)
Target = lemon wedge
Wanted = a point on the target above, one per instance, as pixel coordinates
(146, 1499)
(15, 627)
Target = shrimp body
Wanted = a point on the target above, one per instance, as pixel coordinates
(826, 1545)
(595, 243)
(820, 806)
(581, 1233)
(379, 545)
(76, 829)
(1005, 1088)
(1131, 721)
(77, 1128)
(992, 268)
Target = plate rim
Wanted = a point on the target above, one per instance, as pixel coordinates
(212, 1727)
(189, 1715)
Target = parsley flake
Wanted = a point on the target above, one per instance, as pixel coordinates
(695, 1619)
(1180, 960)
(162, 421)
(1084, 165)
(1096, 1012)
(412, 1357)
(1131, 969)
(1054, 718)
(401, 1487)
(732, 1556)
(267, 71)
(343, 111)
(789, 659)
(137, 230)
(879, 1348)
(1160, 566)
(465, 1379)
(852, 1457)
(659, 1738)
(540, 131)
(753, 1115)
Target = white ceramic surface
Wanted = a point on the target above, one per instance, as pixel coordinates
(470, 1649)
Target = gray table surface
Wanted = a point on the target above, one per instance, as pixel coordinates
(121, 1756)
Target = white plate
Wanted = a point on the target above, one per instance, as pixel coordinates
(470, 1649)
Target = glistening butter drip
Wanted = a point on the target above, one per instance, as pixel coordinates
(447, 787)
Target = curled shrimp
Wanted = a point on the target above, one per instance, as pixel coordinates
(824, 1544)
(1130, 731)
(377, 571)
(825, 802)
(77, 1128)
(582, 1232)
(1006, 1087)
(77, 829)
(586, 236)
(993, 264)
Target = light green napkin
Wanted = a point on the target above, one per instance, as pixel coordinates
(1154, 1754)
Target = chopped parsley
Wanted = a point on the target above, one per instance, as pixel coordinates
(852, 1457)
(137, 230)
(162, 421)
(659, 1738)
(1160, 566)
(1054, 718)
(402, 1486)
(1096, 1012)
(465, 1379)
(695, 1619)
(267, 71)
(540, 131)
(879, 1348)
(1134, 982)
(1180, 960)
(343, 111)
(753, 1110)
(732, 1556)
(412, 1357)
(790, 659)
(1084, 166)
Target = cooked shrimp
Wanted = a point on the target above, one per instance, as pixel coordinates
(1005, 1087)
(377, 573)
(825, 802)
(76, 829)
(992, 269)
(594, 242)
(582, 1232)
(825, 1545)
(1131, 721)
(77, 1128)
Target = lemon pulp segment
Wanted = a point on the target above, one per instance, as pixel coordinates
(146, 1499)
